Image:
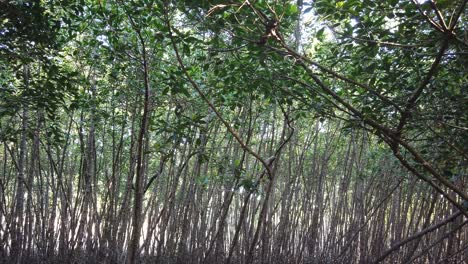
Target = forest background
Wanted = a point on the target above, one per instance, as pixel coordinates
(261, 131)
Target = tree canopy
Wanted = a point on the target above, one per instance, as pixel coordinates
(214, 131)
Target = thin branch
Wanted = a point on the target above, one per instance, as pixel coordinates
(385, 43)
(417, 235)
(337, 75)
(430, 20)
(414, 97)
(197, 88)
(438, 242)
(454, 19)
(438, 14)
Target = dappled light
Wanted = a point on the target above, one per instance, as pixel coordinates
(236, 132)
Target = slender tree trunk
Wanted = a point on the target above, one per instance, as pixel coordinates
(17, 233)
(133, 247)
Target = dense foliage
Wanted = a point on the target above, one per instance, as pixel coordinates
(261, 131)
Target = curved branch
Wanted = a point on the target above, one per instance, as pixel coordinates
(197, 88)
